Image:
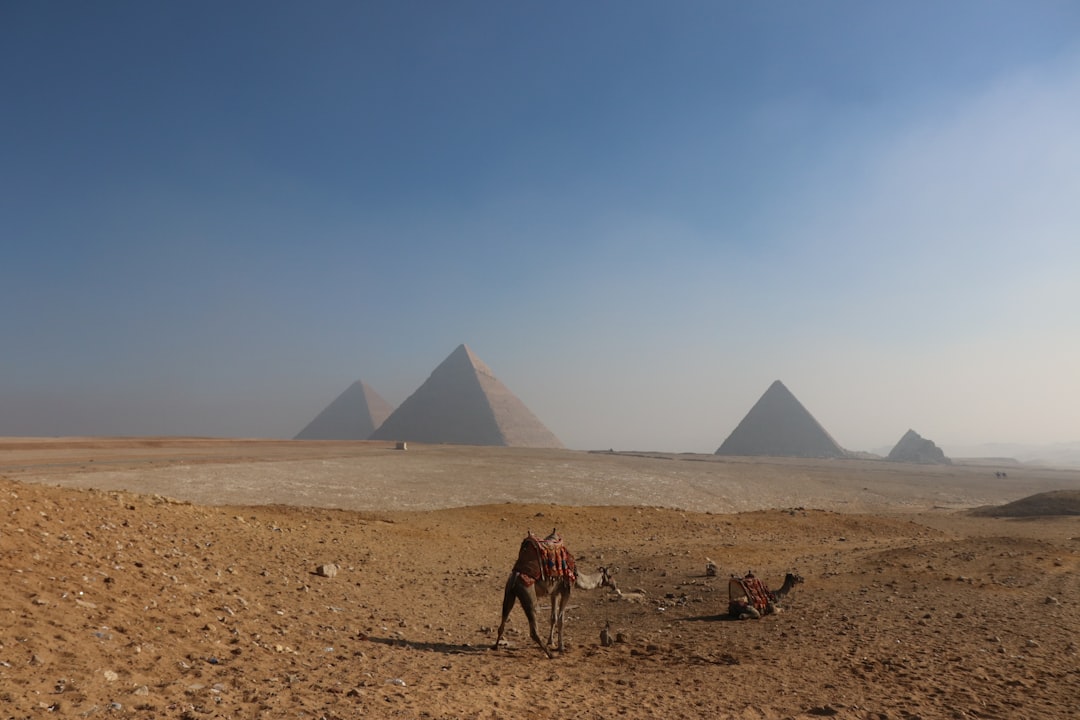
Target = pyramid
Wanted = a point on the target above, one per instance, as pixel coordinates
(915, 448)
(778, 425)
(353, 415)
(464, 403)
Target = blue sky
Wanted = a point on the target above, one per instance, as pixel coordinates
(216, 216)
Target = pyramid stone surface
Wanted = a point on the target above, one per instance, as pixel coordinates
(779, 426)
(353, 415)
(464, 403)
(917, 449)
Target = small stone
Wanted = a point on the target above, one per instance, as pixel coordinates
(111, 676)
(328, 570)
(1051, 600)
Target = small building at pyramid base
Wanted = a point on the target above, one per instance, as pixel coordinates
(779, 426)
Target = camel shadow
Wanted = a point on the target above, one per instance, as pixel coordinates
(723, 617)
(439, 647)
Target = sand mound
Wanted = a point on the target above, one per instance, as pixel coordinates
(1046, 504)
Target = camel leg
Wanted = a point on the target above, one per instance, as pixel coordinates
(528, 604)
(514, 592)
(509, 598)
(563, 598)
(554, 598)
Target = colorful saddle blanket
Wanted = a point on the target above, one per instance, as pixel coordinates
(749, 590)
(543, 559)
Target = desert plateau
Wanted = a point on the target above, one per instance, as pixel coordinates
(201, 578)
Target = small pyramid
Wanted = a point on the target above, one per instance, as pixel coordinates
(917, 449)
(778, 425)
(464, 403)
(353, 415)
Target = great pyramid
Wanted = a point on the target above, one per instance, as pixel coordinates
(353, 415)
(464, 403)
(917, 449)
(778, 425)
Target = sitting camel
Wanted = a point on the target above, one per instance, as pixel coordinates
(749, 598)
(544, 568)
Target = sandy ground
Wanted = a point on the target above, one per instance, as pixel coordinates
(184, 584)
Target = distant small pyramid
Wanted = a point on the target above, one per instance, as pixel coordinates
(353, 415)
(464, 403)
(915, 448)
(778, 425)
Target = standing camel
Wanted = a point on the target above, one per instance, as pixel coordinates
(544, 568)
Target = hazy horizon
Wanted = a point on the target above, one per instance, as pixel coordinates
(218, 217)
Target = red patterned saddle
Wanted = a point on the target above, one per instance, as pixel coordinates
(544, 559)
(748, 591)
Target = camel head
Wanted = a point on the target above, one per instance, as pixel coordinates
(790, 581)
(602, 578)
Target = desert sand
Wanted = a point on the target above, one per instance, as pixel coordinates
(177, 578)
